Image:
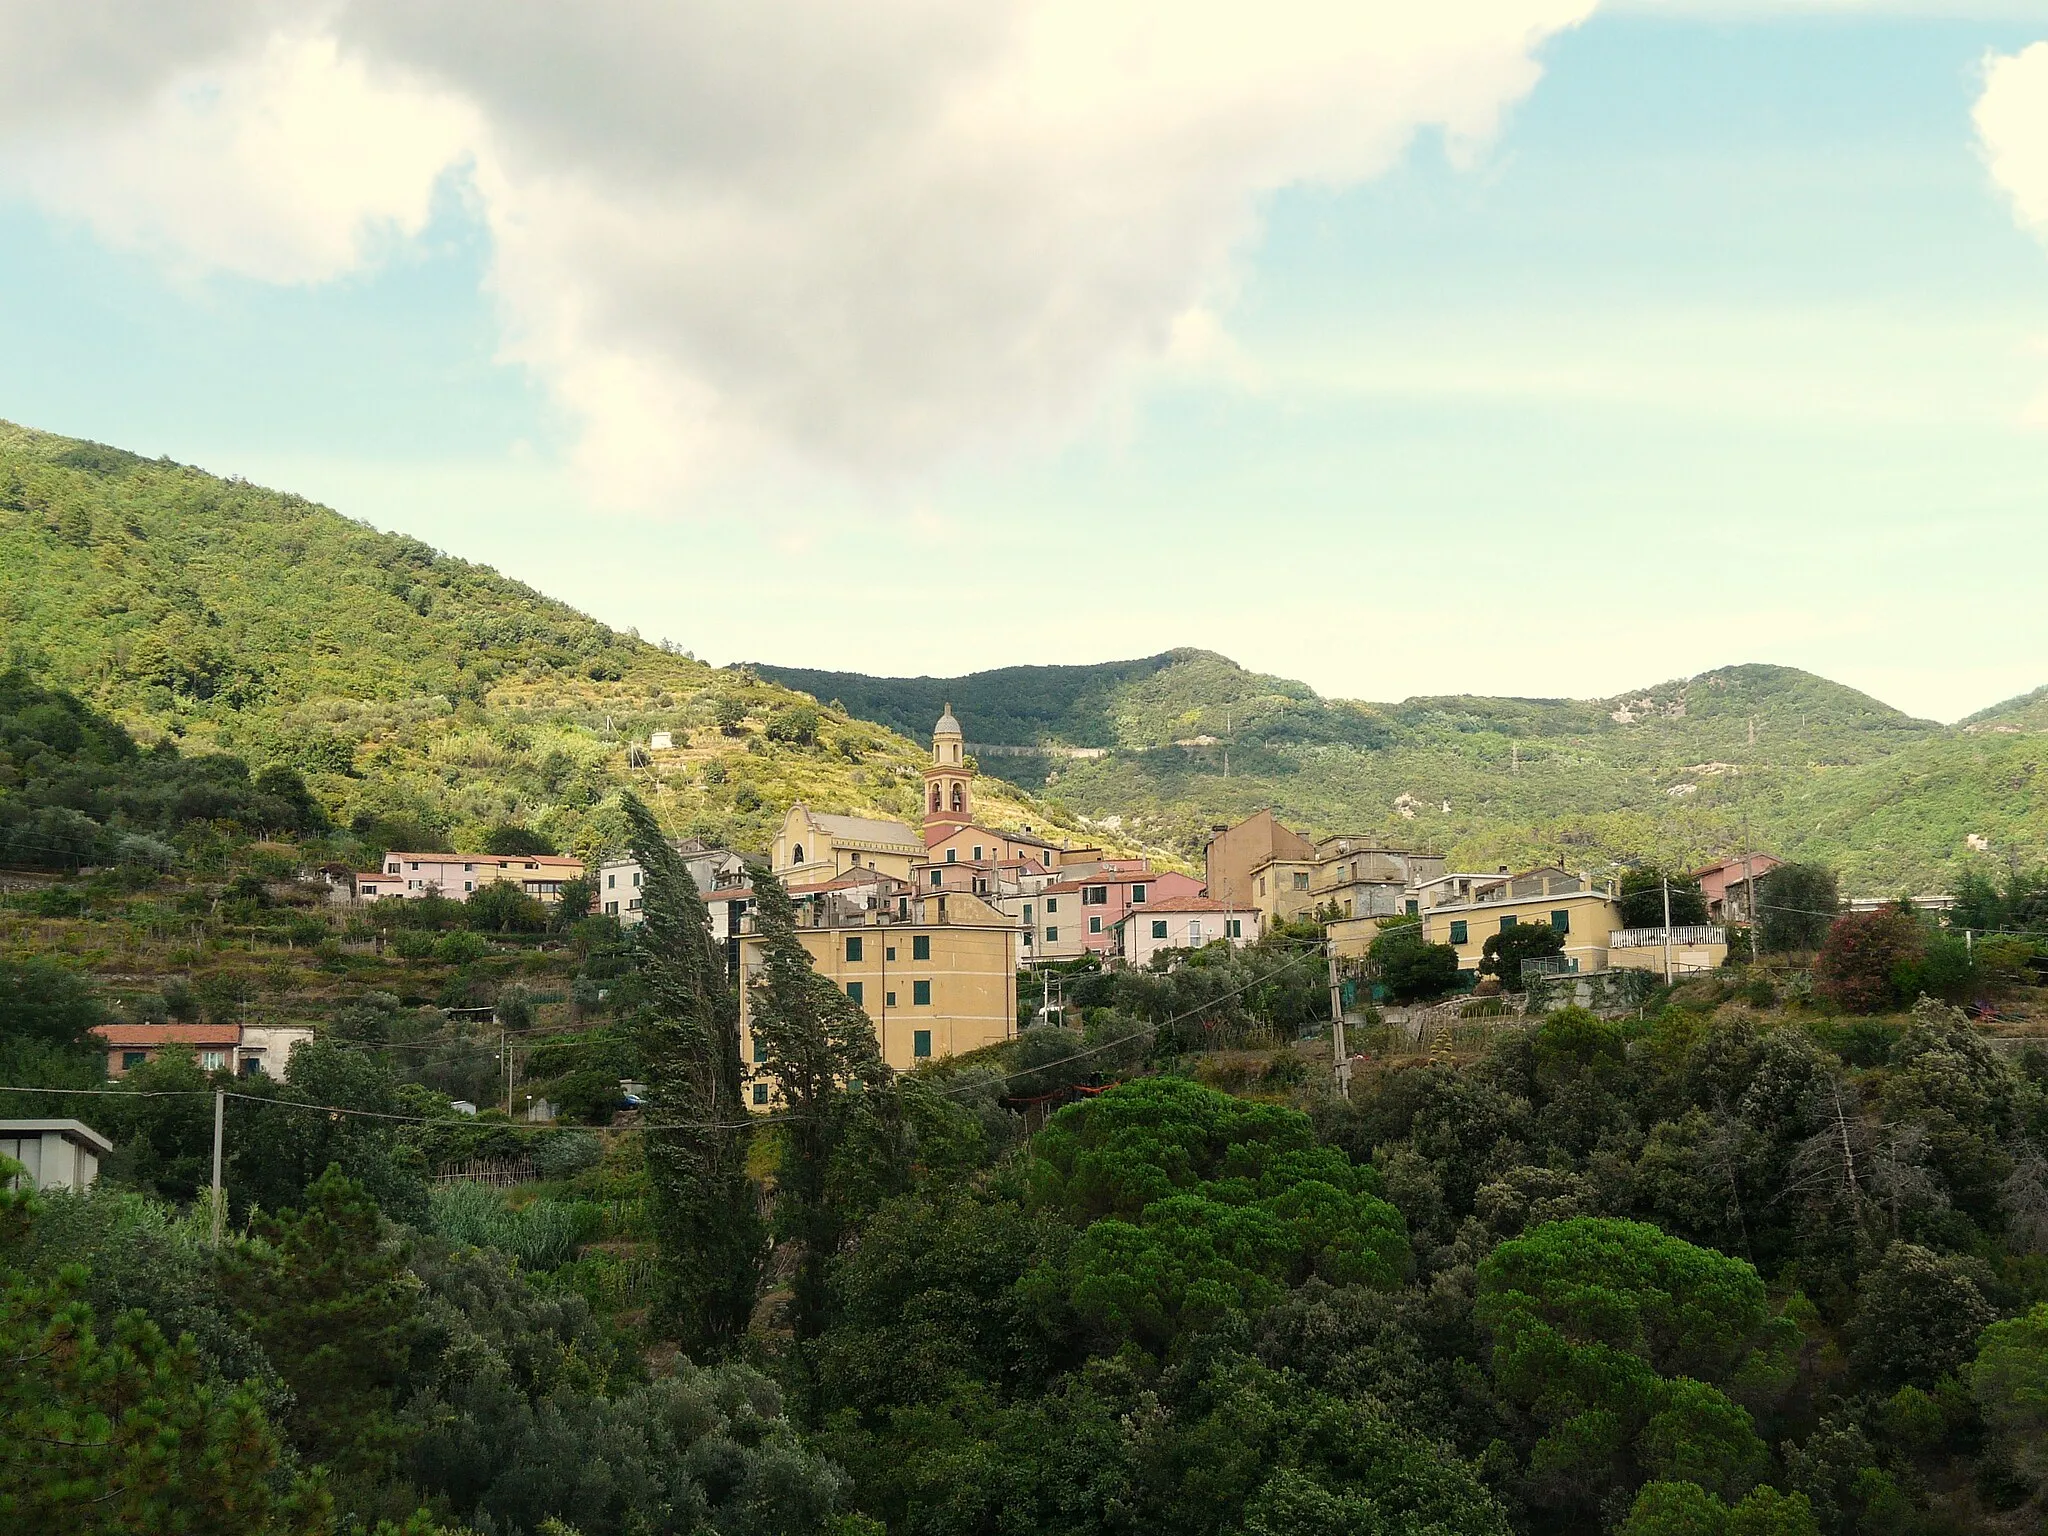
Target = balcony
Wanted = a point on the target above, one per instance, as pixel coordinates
(1696, 937)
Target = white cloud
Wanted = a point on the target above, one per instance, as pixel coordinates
(863, 236)
(283, 159)
(2012, 124)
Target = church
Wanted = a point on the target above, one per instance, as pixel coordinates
(814, 848)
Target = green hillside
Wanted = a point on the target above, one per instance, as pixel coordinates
(1679, 771)
(418, 694)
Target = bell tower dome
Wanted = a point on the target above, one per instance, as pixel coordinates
(948, 792)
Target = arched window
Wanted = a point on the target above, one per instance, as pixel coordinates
(938, 804)
(796, 854)
(956, 751)
(959, 798)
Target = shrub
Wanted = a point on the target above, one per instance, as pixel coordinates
(413, 944)
(1869, 959)
(1796, 903)
(541, 1234)
(795, 725)
(460, 947)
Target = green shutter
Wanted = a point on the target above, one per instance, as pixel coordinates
(921, 946)
(920, 1040)
(921, 994)
(854, 991)
(1460, 934)
(1562, 921)
(853, 947)
(1158, 930)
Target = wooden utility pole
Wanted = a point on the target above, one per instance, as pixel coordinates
(1342, 1057)
(220, 1204)
(1667, 930)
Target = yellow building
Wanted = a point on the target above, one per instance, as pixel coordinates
(937, 973)
(1693, 950)
(813, 847)
(1583, 911)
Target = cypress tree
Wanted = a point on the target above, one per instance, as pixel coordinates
(707, 1219)
(819, 1046)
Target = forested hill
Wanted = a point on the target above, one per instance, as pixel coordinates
(1678, 771)
(407, 686)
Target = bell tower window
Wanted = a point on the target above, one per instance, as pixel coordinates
(959, 798)
(796, 854)
(937, 800)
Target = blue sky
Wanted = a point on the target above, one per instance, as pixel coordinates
(1722, 348)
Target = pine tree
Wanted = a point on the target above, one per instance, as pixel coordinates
(123, 1433)
(707, 1217)
(327, 1291)
(819, 1047)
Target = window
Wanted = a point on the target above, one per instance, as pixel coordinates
(853, 947)
(1137, 895)
(213, 1061)
(921, 1043)
(921, 946)
(1094, 895)
(1027, 911)
(760, 1093)
(635, 904)
(611, 909)
(1158, 928)
(796, 854)
(1052, 905)
(415, 866)
(1301, 879)
(921, 994)
(760, 1050)
(1233, 928)
(889, 952)
(952, 854)
(1460, 932)
(977, 852)
(471, 868)
(392, 869)
(935, 879)
(888, 999)
(1414, 907)
(636, 879)
(1262, 885)
(857, 992)
(469, 885)
(959, 795)
(252, 1066)
(1561, 921)
(130, 1060)
(1095, 925)
(1194, 931)
(1052, 935)
(1506, 923)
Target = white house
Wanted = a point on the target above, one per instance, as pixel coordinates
(458, 876)
(55, 1154)
(1183, 922)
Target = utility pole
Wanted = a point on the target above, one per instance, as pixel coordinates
(1343, 1060)
(1667, 930)
(505, 1045)
(1749, 885)
(220, 1204)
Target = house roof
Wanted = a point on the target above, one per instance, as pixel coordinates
(500, 860)
(117, 1035)
(865, 829)
(77, 1130)
(1186, 904)
(1736, 864)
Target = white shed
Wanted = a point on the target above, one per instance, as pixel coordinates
(57, 1154)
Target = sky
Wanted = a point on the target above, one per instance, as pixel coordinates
(1539, 347)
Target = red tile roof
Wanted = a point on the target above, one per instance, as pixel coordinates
(141, 1035)
(1189, 904)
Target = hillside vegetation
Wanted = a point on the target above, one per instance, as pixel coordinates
(1678, 772)
(423, 698)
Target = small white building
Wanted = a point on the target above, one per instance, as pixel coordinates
(1183, 922)
(661, 741)
(266, 1049)
(54, 1154)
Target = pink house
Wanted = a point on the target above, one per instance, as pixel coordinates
(1716, 879)
(1078, 917)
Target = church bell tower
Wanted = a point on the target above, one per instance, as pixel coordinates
(948, 797)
